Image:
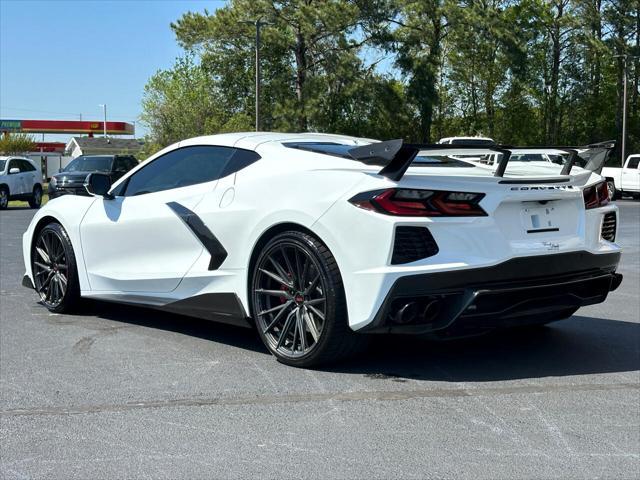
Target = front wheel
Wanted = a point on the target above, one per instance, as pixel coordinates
(53, 264)
(298, 302)
(36, 198)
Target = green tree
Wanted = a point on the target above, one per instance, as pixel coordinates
(522, 71)
(623, 24)
(16, 143)
(418, 30)
(307, 46)
(182, 102)
(487, 60)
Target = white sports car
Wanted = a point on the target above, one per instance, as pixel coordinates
(317, 239)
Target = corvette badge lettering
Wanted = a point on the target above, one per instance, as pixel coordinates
(551, 187)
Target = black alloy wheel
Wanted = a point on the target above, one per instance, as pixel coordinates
(298, 302)
(54, 269)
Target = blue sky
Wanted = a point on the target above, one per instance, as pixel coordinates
(59, 59)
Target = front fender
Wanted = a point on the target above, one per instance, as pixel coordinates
(68, 211)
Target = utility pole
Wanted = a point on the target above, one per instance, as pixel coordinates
(624, 57)
(258, 24)
(104, 109)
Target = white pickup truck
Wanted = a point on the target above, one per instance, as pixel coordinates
(625, 179)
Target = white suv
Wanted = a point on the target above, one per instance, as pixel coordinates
(20, 179)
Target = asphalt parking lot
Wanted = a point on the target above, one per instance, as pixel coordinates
(124, 392)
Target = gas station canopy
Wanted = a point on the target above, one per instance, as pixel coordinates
(65, 126)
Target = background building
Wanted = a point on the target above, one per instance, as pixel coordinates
(102, 146)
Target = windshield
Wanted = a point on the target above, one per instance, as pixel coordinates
(3, 163)
(89, 164)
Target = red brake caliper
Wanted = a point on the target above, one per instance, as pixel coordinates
(285, 288)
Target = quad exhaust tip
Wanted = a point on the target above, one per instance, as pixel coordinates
(406, 314)
(417, 312)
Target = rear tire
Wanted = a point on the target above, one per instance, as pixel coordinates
(36, 199)
(4, 198)
(55, 274)
(306, 325)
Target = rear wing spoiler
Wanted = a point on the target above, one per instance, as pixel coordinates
(395, 157)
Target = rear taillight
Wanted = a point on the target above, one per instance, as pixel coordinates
(596, 195)
(406, 202)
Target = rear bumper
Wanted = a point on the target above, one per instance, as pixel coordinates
(519, 291)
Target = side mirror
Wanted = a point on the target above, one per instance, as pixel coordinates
(98, 184)
(14, 170)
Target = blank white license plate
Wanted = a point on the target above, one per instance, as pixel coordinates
(539, 219)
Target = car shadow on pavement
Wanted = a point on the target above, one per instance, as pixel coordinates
(577, 346)
(146, 317)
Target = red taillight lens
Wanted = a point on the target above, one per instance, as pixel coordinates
(421, 203)
(596, 195)
(603, 193)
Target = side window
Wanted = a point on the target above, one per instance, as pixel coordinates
(26, 166)
(120, 165)
(633, 162)
(22, 165)
(131, 163)
(180, 168)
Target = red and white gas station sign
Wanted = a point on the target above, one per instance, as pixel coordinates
(65, 126)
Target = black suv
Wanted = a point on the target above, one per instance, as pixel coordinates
(71, 178)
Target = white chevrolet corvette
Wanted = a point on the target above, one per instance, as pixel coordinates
(317, 239)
